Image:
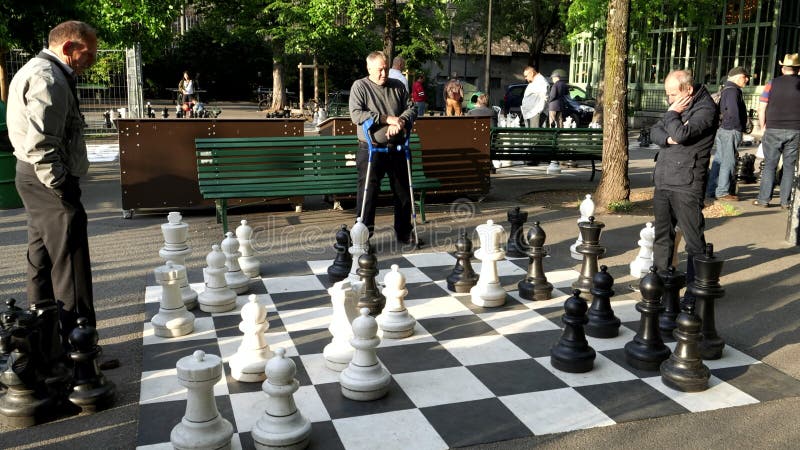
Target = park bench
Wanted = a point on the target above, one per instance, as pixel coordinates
(547, 144)
(232, 168)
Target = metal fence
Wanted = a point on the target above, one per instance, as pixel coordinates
(112, 88)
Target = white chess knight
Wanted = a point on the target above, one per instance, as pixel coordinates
(172, 318)
(587, 210)
(250, 265)
(359, 236)
(365, 378)
(236, 279)
(247, 364)
(488, 292)
(395, 321)
(176, 249)
(644, 260)
(344, 299)
(216, 297)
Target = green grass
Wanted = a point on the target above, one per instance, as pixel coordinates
(622, 206)
(730, 210)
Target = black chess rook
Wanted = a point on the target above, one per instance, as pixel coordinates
(572, 353)
(535, 285)
(516, 245)
(684, 370)
(602, 321)
(591, 251)
(647, 350)
(706, 289)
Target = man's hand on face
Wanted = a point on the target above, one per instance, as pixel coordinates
(680, 105)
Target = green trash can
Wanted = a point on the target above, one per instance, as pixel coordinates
(9, 198)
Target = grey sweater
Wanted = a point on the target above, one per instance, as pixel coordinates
(370, 100)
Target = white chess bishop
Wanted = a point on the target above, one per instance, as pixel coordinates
(644, 260)
(250, 265)
(236, 279)
(488, 292)
(176, 249)
(344, 299)
(216, 297)
(395, 321)
(359, 236)
(172, 318)
(587, 210)
(247, 364)
(365, 378)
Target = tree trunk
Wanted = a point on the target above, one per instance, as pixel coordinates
(279, 99)
(615, 184)
(3, 76)
(389, 29)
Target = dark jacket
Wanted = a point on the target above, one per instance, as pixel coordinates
(555, 100)
(684, 166)
(732, 108)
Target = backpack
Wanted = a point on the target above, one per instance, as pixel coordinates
(716, 96)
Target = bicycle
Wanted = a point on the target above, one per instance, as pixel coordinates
(310, 107)
(263, 97)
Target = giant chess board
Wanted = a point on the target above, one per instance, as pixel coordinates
(468, 375)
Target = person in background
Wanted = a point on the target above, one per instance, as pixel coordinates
(722, 177)
(396, 72)
(454, 95)
(555, 100)
(482, 109)
(534, 98)
(186, 87)
(418, 95)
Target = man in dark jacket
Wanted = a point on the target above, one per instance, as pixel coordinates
(722, 178)
(556, 105)
(685, 134)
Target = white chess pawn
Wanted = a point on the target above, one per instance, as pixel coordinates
(247, 364)
(554, 168)
(236, 279)
(172, 318)
(359, 236)
(202, 427)
(365, 378)
(250, 265)
(344, 299)
(216, 297)
(644, 260)
(488, 292)
(395, 321)
(281, 426)
(176, 249)
(587, 210)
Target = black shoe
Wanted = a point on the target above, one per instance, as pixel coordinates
(109, 364)
(410, 241)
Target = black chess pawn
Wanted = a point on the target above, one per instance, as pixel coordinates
(684, 370)
(91, 391)
(165, 113)
(747, 169)
(340, 268)
(371, 296)
(591, 251)
(706, 289)
(674, 281)
(647, 350)
(463, 277)
(516, 245)
(572, 353)
(535, 285)
(602, 321)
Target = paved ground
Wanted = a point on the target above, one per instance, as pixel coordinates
(759, 315)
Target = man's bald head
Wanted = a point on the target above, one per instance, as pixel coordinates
(678, 84)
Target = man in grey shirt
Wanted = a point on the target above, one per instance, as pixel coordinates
(385, 101)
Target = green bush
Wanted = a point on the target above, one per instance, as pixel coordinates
(622, 206)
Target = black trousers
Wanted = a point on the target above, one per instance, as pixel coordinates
(391, 163)
(58, 247)
(685, 210)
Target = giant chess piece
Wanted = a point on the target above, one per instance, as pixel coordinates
(202, 427)
(176, 249)
(591, 251)
(339, 352)
(281, 426)
(572, 353)
(90, 390)
(673, 282)
(644, 260)
(172, 318)
(237, 281)
(602, 321)
(647, 350)
(247, 364)
(516, 245)
(340, 268)
(463, 277)
(249, 264)
(535, 285)
(371, 296)
(365, 378)
(395, 321)
(50, 346)
(359, 236)
(706, 289)
(746, 172)
(488, 292)
(684, 370)
(586, 209)
(217, 297)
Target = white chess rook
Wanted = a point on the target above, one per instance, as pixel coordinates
(587, 210)
(202, 427)
(359, 236)
(395, 321)
(339, 352)
(644, 260)
(172, 318)
(216, 297)
(250, 265)
(365, 378)
(236, 279)
(247, 364)
(488, 292)
(176, 249)
(282, 426)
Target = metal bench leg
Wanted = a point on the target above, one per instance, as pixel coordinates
(421, 204)
(222, 213)
(593, 170)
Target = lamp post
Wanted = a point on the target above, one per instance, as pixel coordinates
(466, 38)
(451, 13)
